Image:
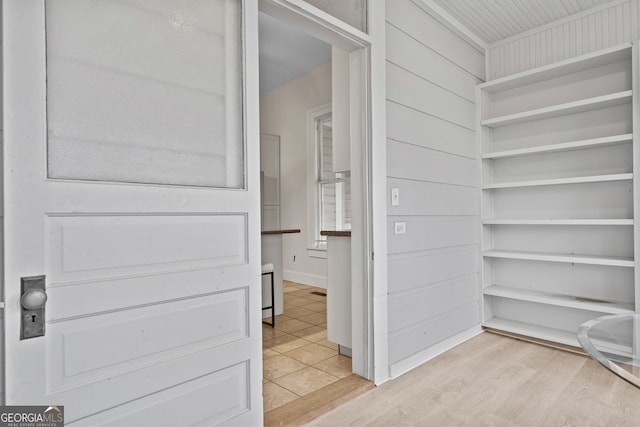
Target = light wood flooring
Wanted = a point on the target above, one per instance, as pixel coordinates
(297, 358)
(492, 380)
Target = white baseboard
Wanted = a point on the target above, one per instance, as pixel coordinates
(305, 278)
(418, 359)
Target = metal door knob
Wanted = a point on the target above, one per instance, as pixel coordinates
(34, 299)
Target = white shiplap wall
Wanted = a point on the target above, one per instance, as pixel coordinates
(432, 159)
(589, 31)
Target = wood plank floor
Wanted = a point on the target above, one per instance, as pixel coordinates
(492, 380)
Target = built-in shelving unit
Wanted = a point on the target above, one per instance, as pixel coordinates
(559, 195)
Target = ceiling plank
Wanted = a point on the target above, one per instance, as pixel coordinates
(495, 20)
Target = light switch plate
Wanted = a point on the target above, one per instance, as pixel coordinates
(395, 197)
(400, 227)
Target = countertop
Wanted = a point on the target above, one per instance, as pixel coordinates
(336, 233)
(284, 231)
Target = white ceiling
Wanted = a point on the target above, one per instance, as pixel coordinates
(286, 53)
(495, 20)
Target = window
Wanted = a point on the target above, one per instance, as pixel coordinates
(161, 105)
(353, 12)
(330, 192)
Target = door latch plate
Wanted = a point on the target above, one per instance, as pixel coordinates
(32, 321)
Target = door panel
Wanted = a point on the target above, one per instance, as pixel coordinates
(119, 293)
(95, 246)
(150, 243)
(223, 393)
(143, 350)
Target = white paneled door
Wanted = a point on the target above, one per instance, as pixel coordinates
(131, 177)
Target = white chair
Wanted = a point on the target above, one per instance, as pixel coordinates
(268, 269)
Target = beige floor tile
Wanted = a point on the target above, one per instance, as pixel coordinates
(315, 306)
(306, 381)
(280, 365)
(291, 300)
(314, 297)
(303, 292)
(288, 306)
(293, 285)
(339, 366)
(285, 343)
(297, 312)
(311, 353)
(287, 288)
(279, 318)
(314, 333)
(292, 325)
(276, 396)
(328, 344)
(269, 333)
(304, 299)
(267, 352)
(314, 319)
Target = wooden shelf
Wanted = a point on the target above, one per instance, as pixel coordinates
(559, 69)
(566, 146)
(574, 107)
(561, 181)
(558, 222)
(608, 307)
(534, 331)
(561, 257)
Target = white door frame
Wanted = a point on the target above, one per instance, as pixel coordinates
(367, 111)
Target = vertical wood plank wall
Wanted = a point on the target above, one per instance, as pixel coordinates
(432, 159)
(590, 31)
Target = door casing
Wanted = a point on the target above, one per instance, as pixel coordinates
(368, 154)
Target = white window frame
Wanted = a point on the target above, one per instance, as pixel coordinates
(314, 247)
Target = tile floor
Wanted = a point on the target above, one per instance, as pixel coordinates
(297, 357)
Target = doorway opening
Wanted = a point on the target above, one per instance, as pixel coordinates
(302, 335)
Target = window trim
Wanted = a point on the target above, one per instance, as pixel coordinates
(314, 247)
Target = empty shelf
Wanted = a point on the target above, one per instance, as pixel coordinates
(558, 222)
(561, 181)
(580, 106)
(534, 331)
(609, 307)
(559, 69)
(565, 146)
(560, 257)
